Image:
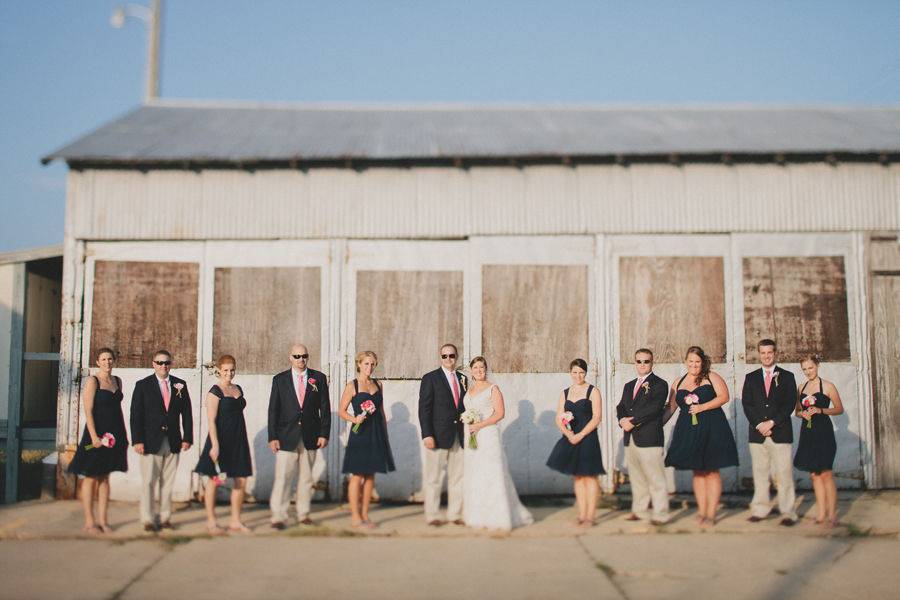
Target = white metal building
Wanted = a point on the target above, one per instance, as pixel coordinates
(532, 235)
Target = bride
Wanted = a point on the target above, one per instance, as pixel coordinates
(489, 496)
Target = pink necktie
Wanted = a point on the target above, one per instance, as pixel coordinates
(768, 381)
(166, 394)
(301, 391)
(455, 391)
(637, 386)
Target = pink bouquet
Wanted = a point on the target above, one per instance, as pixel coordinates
(807, 402)
(220, 476)
(368, 407)
(108, 440)
(692, 399)
(567, 418)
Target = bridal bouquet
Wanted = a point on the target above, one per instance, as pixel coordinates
(220, 475)
(368, 407)
(807, 402)
(567, 418)
(692, 399)
(470, 417)
(108, 440)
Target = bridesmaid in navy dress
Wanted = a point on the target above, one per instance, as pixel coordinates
(702, 441)
(94, 459)
(368, 450)
(226, 446)
(817, 400)
(577, 453)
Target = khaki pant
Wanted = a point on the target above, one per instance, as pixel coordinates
(157, 475)
(647, 475)
(287, 463)
(772, 459)
(436, 461)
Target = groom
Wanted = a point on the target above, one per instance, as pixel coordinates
(440, 405)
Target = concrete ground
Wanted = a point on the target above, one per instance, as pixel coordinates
(43, 554)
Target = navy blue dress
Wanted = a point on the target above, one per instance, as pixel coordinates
(108, 418)
(234, 449)
(817, 446)
(708, 445)
(583, 458)
(368, 450)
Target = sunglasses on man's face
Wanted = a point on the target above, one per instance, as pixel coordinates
(445, 356)
(299, 356)
(162, 363)
(643, 362)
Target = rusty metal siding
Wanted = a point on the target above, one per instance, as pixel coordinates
(441, 202)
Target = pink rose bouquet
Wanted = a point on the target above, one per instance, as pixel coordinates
(368, 408)
(807, 402)
(567, 418)
(689, 400)
(108, 440)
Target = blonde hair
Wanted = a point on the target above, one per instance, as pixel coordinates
(813, 357)
(364, 354)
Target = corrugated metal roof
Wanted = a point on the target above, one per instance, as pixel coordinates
(196, 132)
(17, 256)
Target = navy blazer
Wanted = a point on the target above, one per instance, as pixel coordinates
(151, 422)
(438, 415)
(778, 405)
(286, 422)
(646, 410)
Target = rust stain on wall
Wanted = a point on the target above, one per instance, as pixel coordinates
(534, 317)
(669, 303)
(404, 316)
(140, 307)
(259, 312)
(800, 302)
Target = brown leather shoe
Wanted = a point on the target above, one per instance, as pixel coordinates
(280, 526)
(435, 523)
(754, 519)
(306, 521)
(787, 522)
(632, 517)
(459, 522)
(151, 527)
(166, 525)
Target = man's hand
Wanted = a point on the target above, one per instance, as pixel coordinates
(429, 443)
(321, 442)
(275, 446)
(765, 428)
(626, 423)
(139, 448)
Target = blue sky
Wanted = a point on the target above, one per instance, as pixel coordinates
(65, 71)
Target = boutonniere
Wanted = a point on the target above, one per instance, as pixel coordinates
(462, 380)
(775, 377)
(646, 386)
(312, 384)
(178, 387)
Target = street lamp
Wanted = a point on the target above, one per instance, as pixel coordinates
(152, 18)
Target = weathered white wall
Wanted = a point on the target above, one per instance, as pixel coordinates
(6, 302)
(447, 202)
(528, 429)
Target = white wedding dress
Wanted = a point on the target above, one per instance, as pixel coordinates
(489, 496)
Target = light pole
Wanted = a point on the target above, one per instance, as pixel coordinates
(152, 18)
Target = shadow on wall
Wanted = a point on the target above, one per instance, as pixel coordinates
(264, 467)
(406, 447)
(527, 441)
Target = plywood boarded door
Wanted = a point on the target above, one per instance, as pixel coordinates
(140, 297)
(797, 290)
(666, 293)
(260, 297)
(886, 358)
(533, 307)
(401, 300)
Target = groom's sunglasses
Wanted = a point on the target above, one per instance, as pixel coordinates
(299, 356)
(448, 356)
(162, 363)
(643, 362)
